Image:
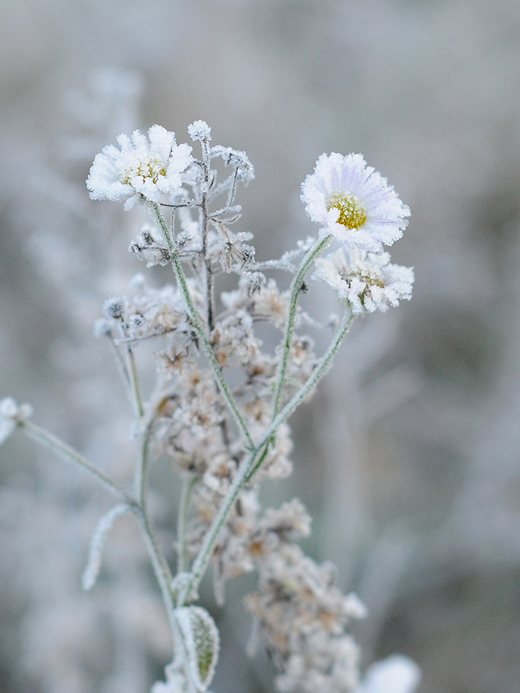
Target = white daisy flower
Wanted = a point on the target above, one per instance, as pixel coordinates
(367, 281)
(142, 168)
(354, 203)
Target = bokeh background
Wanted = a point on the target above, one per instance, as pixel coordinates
(408, 456)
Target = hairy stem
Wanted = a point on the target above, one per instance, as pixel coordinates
(210, 298)
(296, 286)
(199, 329)
(182, 522)
(162, 572)
(141, 470)
(133, 376)
(134, 381)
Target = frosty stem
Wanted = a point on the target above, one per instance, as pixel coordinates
(182, 520)
(141, 470)
(162, 573)
(134, 383)
(198, 327)
(251, 463)
(210, 299)
(159, 563)
(296, 287)
(70, 455)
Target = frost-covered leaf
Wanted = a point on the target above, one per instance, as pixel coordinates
(91, 572)
(201, 642)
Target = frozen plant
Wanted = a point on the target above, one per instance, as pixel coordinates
(219, 405)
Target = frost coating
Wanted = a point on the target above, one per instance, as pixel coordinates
(141, 169)
(225, 434)
(354, 203)
(201, 641)
(366, 281)
(91, 572)
(199, 131)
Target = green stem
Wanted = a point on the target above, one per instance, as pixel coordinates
(70, 455)
(182, 522)
(296, 286)
(131, 374)
(250, 464)
(134, 382)
(162, 571)
(308, 386)
(141, 471)
(159, 563)
(210, 298)
(201, 333)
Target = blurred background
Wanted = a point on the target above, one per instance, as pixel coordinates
(408, 456)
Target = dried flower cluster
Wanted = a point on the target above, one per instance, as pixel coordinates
(219, 406)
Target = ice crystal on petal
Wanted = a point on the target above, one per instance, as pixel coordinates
(353, 202)
(367, 281)
(141, 169)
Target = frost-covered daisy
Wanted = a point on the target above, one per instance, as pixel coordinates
(142, 168)
(367, 281)
(353, 202)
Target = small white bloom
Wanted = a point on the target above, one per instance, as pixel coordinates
(396, 674)
(367, 281)
(142, 168)
(353, 202)
(10, 414)
(113, 308)
(199, 131)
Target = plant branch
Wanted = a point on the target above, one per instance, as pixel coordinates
(182, 521)
(296, 286)
(201, 333)
(70, 455)
(250, 464)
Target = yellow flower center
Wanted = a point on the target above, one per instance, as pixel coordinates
(151, 169)
(352, 211)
